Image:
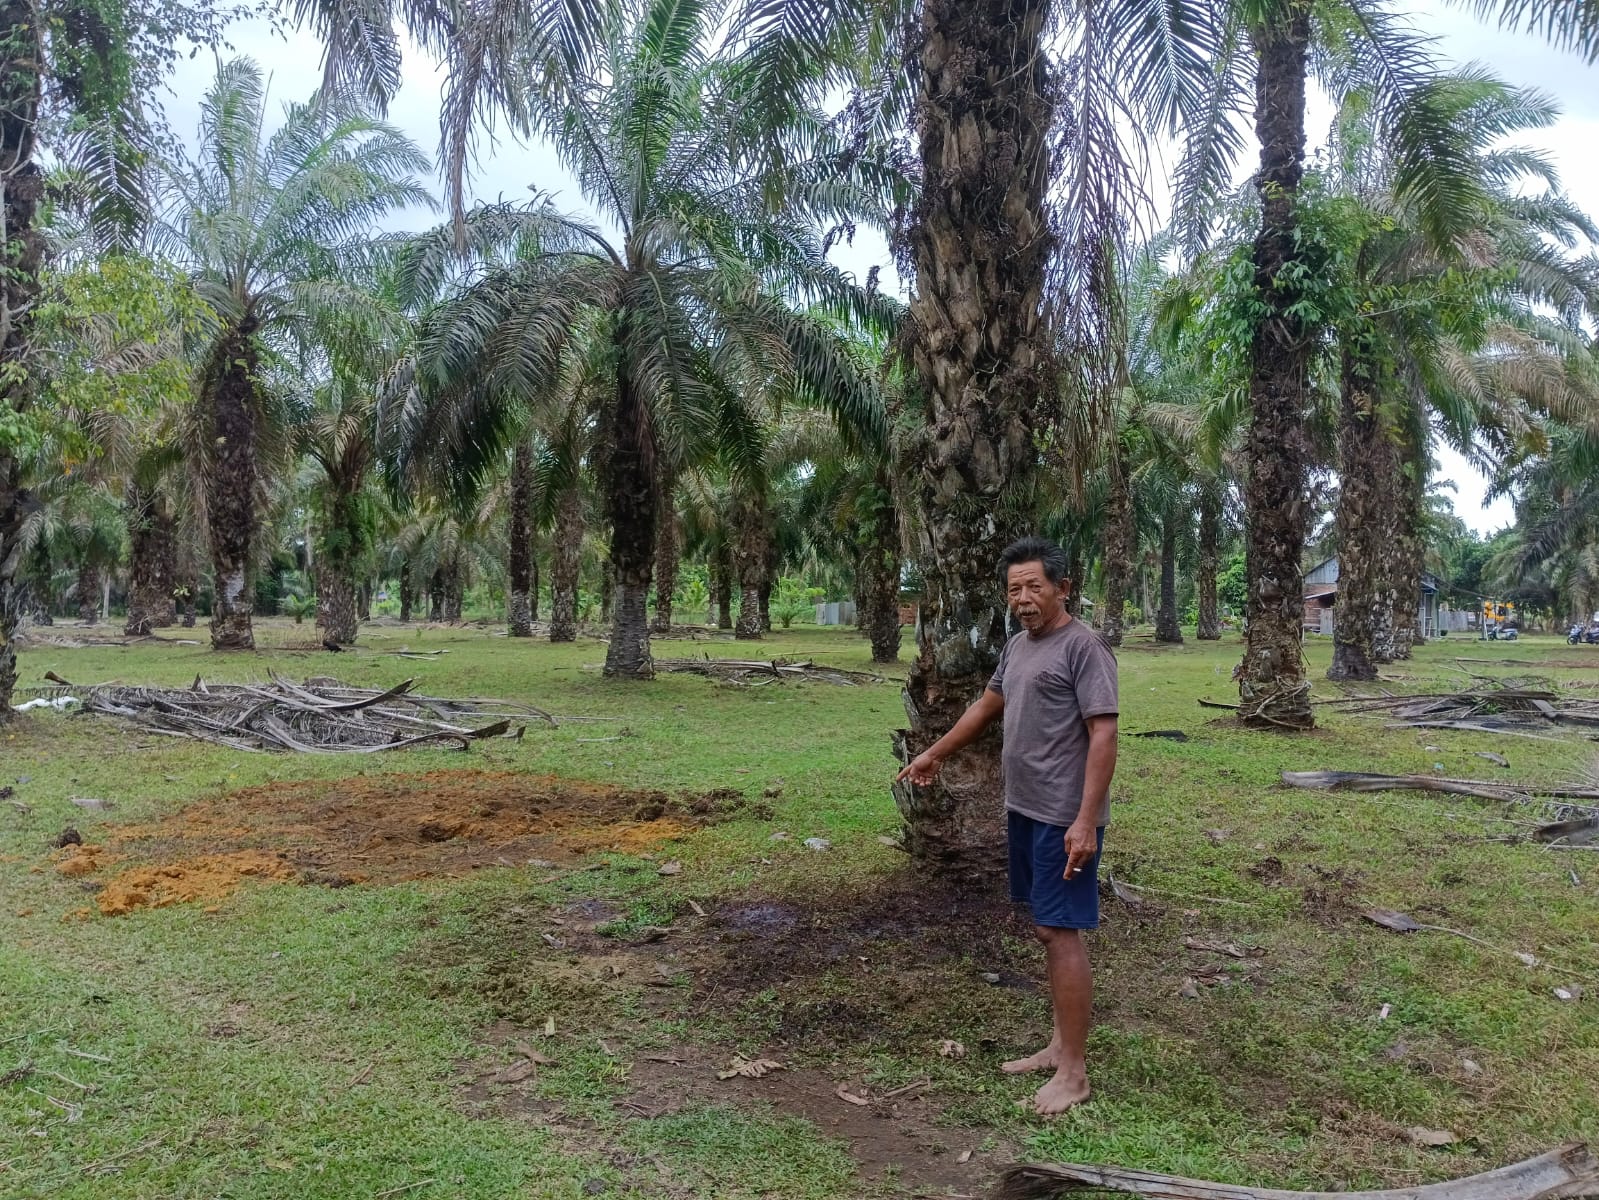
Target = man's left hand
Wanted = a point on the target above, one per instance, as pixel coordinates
(1082, 843)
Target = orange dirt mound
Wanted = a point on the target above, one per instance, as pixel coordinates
(83, 860)
(212, 877)
(389, 827)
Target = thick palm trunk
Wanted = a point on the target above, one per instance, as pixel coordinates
(453, 586)
(405, 591)
(336, 609)
(980, 242)
(230, 406)
(88, 592)
(520, 535)
(632, 500)
(723, 585)
(1410, 547)
(152, 562)
(1272, 687)
(564, 563)
(1167, 628)
(1074, 578)
(749, 560)
(1117, 563)
(666, 556)
(22, 59)
(1364, 461)
(1209, 629)
(881, 567)
(436, 595)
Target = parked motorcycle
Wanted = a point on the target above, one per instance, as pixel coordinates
(1583, 634)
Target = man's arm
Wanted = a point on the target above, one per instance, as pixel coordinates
(921, 769)
(1082, 838)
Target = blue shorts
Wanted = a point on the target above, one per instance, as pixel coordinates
(1038, 875)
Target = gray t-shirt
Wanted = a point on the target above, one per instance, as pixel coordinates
(1050, 685)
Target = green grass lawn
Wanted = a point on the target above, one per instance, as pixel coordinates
(310, 1042)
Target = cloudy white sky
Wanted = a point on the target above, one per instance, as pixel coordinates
(507, 170)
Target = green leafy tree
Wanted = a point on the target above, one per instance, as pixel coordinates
(270, 227)
(698, 291)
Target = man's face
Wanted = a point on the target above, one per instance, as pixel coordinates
(1036, 602)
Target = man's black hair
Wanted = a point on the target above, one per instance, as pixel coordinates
(1033, 549)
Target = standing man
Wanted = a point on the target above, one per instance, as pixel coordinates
(1055, 687)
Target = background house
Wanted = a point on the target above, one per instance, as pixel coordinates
(1321, 592)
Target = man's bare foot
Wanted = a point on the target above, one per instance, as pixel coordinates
(1046, 1059)
(1066, 1090)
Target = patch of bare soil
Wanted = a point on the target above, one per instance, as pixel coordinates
(382, 829)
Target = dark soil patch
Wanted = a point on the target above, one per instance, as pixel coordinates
(390, 827)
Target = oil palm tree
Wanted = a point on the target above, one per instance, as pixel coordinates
(696, 295)
(268, 225)
(1425, 310)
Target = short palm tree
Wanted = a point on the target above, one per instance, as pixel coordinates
(692, 301)
(268, 224)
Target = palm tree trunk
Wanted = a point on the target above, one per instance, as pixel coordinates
(1117, 561)
(723, 571)
(1167, 628)
(335, 589)
(1209, 629)
(1410, 548)
(666, 555)
(520, 535)
(436, 595)
(21, 255)
(564, 565)
(1272, 687)
(882, 570)
(980, 243)
(768, 577)
(405, 591)
(454, 586)
(230, 406)
(88, 591)
(1363, 463)
(152, 562)
(1074, 580)
(533, 584)
(749, 560)
(632, 501)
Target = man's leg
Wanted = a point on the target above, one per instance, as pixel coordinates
(1071, 994)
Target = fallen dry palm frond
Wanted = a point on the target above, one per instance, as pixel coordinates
(1517, 711)
(1563, 1174)
(1558, 802)
(760, 671)
(321, 716)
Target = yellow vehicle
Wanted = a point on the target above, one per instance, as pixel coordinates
(1499, 621)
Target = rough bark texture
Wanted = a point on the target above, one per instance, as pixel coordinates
(21, 253)
(1118, 552)
(1410, 547)
(1272, 687)
(405, 590)
(881, 568)
(1167, 628)
(454, 586)
(336, 605)
(520, 536)
(87, 592)
(436, 595)
(230, 411)
(564, 562)
(722, 585)
(666, 556)
(749, 561)
(186, 601)
(979, 243)
(152, 562)
(1209, 626)
(632, 496)
(1364, 456)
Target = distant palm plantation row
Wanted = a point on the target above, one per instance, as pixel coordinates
(225, 390)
